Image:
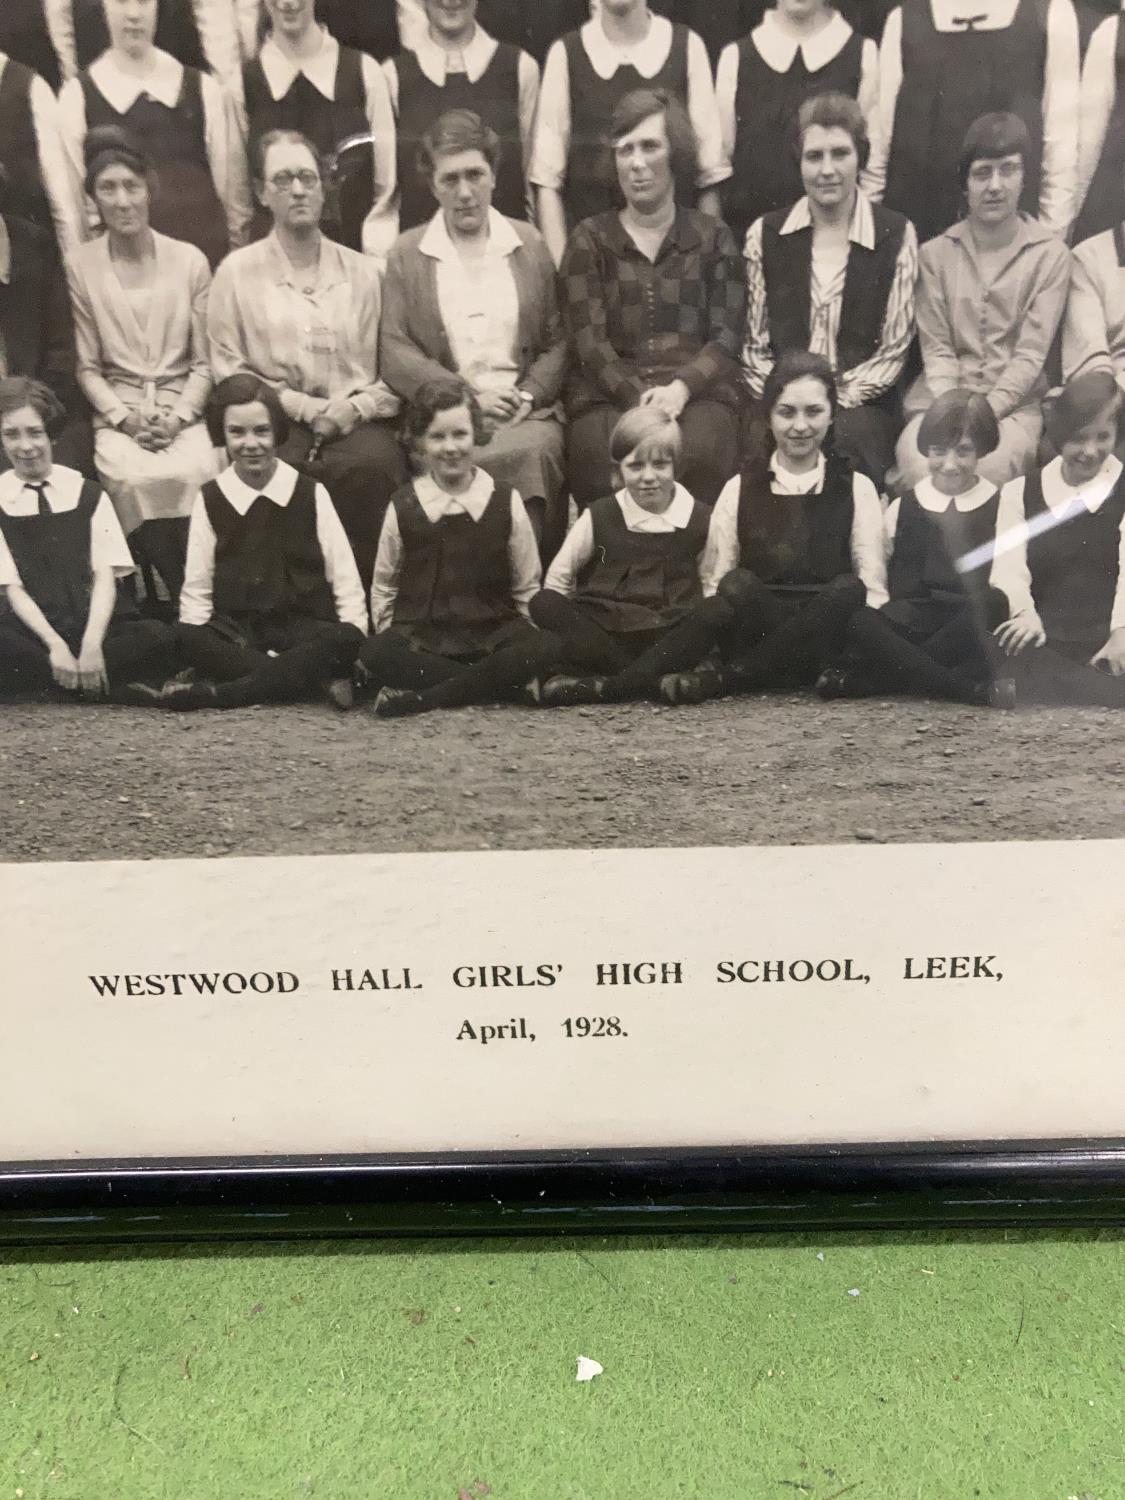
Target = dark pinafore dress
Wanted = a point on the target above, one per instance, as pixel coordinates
(926, 589)
(641, 580)
(52, 557)
(338, 128)
(796, 544)
(454, 595)
(19, 148)
(186, 207)
(495, 97)
(1074, 570)
(591, 185)
(950, 79)
(764, 170)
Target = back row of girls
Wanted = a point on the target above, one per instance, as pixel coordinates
(202, 80)
(795, 578)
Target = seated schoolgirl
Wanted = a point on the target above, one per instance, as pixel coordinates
(1065, 577)
(272, 608)
(795, 545)
(456, 566)
(933, 637)
(624, 594)
(62, 554)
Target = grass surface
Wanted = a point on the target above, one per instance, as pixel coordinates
(988, 1365)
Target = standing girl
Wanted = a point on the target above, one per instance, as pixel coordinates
(456, 567)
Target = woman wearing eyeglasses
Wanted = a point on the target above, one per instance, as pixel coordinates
(991, 295)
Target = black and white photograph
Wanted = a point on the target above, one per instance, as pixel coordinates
(472, 424)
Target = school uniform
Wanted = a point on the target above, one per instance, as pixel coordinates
(43, 184)
(794, 556)
(339, 99)
(271, 605)
(942, 65)
(584, 78)
(933, 636)
(54, 537)
(449, 599)
(498, 82)
(760, 85)
(1100, 191)
(1064, 564)
(188, 126)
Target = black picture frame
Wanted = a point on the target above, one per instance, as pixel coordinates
(890, 1185)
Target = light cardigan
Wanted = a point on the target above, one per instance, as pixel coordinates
(118, 360)
(413, 343)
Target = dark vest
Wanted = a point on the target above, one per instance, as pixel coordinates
(19, 148)
(24, 35)
(268, 563)
(764, 171)
(787, 265)
(591, 175)
(177, 32)
(640, 580)
(796, 543)
(455, 583)
(927, 544)
(1074, 569)
(187, 206)
(950, 79)
(35, 318)
(1105, 201)
(329, 124)
(494, 97)
(52, 556)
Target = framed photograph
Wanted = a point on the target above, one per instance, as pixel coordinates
(503, 730)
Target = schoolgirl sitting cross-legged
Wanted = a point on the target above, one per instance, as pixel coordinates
(934, 636)
(272, 608)
(456, 566)
(795, 546)
(624, 595)
(63, 557)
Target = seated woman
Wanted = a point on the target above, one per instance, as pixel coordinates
(271, 608)
(934, 636)
(302, 312)
(991, 294)
(798, 49)
(795, 545)
(474, 292)
(62, 554)
(835, 274)
(140, 308)
(186, 118)
(456, 568)
(1062, 566)
(654, 302)
(455, 65)
(624, 596)
(301, 78)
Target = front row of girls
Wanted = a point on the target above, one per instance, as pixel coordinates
(796, 578)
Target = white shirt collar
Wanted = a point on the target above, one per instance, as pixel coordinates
(929, 497)
(1060, 496)
(5, 253)
(436, 241)
(778, 47)
(320, 69)
(647, 56)
(241, 496)
(437, 502)
(163, 82)
(861, 230)
(330, 270)
(434, 60)
(675, 518)
(63, 489)
(785, 482)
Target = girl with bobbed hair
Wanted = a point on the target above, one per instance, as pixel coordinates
(62, 557)
(187, 120)
(1062, 558)
(140, 317)
(456, 568)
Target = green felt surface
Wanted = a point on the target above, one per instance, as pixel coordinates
(987, 1365)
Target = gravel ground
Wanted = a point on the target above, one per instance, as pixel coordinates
(99, 782)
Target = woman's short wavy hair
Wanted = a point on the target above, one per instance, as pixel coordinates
(18, 391)
(957, 414)
(240, 390)
(833, 111)
(1080, 402)
(683, 149)
(799, 364)
(456, 130)
(113, 146)
(435, 396)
